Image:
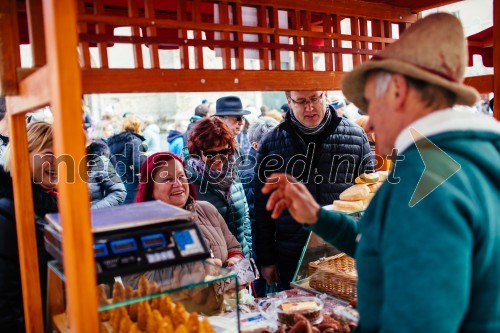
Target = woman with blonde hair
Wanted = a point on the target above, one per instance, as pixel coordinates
(127, 154)
(44, 177)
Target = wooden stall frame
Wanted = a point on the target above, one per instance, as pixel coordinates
(61, 75)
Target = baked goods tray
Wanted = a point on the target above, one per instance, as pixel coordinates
(304, 285)
(356, 214)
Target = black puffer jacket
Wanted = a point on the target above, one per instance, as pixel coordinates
(344, 153)
(127, 155)
(11, 299)
(106, 188)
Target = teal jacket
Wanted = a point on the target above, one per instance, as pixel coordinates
(235, 212)
(433, 267)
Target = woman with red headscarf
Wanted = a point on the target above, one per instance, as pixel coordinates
(163, 177)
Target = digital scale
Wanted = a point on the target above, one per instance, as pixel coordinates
(136, 238)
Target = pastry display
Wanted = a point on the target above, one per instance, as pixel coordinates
(159, 315)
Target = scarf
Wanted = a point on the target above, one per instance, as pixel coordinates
(219, 179)
(312, 131)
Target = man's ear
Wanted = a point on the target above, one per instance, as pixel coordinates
(399, 91)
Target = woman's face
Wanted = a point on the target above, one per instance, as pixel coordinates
(170, 184)
(215, 157)
(43, 168)
(109, 131)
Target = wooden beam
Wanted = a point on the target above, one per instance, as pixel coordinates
(101, 30)
(182, 34)
(69, 140)
(34, 92)
(170, 80)
(9, 47)
(151, 32)
(25, 226)
(496, 56)
(483, 83)
(83, 46)
(136, 31)
(37, 35)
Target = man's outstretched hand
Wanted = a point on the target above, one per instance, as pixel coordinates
(287, 192)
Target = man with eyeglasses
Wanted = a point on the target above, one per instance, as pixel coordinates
(322, 150)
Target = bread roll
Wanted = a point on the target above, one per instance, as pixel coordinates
(367, 178)
(348, 206)
(374, 187)
(382, 175)
(356, 192)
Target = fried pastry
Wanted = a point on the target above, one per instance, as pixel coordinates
(143, 315)
(118, 293)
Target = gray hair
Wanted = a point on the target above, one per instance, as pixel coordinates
(382, 79)
(260, 128)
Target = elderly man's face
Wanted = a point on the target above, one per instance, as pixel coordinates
(235, 123)
(308, 106)
(384, 121)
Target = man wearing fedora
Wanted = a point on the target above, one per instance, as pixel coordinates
(230, 110)
(324, 151)
(427, 248)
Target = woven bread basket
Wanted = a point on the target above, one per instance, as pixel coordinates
(335, 276)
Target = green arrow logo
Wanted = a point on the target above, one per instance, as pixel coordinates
(438, 167)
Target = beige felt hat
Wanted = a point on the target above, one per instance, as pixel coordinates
(433, 49)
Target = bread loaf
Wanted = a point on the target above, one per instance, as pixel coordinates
(374, 187)
(348, 206)
(356, 192)
(382, 175)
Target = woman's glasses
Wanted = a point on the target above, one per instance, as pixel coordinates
(210, 154)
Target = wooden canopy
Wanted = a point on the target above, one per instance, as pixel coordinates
(288, 38)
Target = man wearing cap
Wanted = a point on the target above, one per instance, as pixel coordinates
(325, 152)
(427, 248)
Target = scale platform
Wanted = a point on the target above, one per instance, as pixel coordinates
(136, 238)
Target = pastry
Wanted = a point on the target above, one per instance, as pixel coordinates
(348, 206)
(374, 187)
(382, 175)
(355, 192)
(367, 178)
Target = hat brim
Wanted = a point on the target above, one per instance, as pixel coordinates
(231, 113)
(353, 84)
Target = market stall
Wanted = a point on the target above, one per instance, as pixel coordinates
(284, 36)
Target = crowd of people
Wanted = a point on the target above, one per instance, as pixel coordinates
(253, 185)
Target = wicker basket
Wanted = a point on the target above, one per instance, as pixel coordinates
(335, 276)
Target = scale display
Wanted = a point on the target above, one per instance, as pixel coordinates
(188, 242)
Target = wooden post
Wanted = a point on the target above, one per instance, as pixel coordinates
(496, 57)
(25, 222)
(66, 92)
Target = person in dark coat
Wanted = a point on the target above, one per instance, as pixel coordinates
(324, 151)
(127, 155)
(211, 164)
(44, 176)
(106, 188)
(256, 133)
